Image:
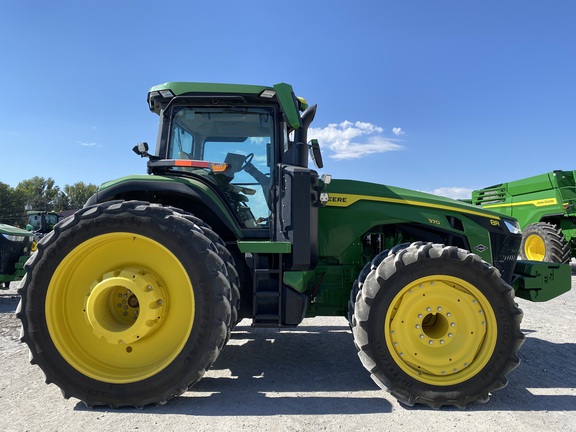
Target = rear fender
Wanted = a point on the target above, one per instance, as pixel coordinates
(194, 197)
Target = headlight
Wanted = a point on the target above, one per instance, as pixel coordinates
(14, 238)
(512, 226)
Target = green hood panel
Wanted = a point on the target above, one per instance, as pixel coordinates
(355, 207)
(344, 193)
(12, 230)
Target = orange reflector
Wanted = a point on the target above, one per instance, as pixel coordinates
(214, 167)
(219, 167)
(191, 163)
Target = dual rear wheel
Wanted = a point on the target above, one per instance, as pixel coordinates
(126, 304)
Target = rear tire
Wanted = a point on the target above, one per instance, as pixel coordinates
(228, 259)
(438, 326)
(125, 304)
(544, 241)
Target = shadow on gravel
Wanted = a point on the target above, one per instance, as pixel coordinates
(9, 304)
(315, 371)
(293, 372)
(284, 373)
(544, 381)
(308, 370)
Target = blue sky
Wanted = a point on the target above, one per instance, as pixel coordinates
(440, 96)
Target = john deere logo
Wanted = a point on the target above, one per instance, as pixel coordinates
(481, 248)
(545, 202)
(342, 200)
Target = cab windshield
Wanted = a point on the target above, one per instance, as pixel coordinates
(239, 137)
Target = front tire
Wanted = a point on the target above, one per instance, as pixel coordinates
(544, 241)
(438, 326)
(125, 304)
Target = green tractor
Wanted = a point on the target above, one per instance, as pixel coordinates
(41, 222)
(15, 248)
(544, 206)
(130, 300)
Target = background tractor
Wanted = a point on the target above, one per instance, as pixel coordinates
(41, 222)
(15, 248)
(544, 207)
(131, 299)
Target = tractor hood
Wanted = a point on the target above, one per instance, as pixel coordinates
(10, 230)
(344, 193)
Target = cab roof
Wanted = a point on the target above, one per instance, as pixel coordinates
(161, 94)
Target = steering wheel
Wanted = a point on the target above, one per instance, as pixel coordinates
(247, 160)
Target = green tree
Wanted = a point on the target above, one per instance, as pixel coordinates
(61, 202)
(78, 194)
(11, 206)
(39, 193)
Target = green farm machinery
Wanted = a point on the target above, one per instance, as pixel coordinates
(41, 222)
(17, 244)
(544, 207)
(15, 248)
(131, 299)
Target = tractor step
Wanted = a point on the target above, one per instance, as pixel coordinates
(274, 303)
(267, 289)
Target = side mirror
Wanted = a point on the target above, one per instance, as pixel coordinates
(315, 153)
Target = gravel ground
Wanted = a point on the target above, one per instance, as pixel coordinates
(310, 379)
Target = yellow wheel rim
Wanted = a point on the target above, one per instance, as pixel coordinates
(534, 248)
(440, 330)
(120, 307)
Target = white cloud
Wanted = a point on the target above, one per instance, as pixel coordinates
(87, 144)
(398, 131)
(453, 192)
(349, 140)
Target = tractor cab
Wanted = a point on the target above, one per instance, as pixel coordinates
(231, 148)
(41, 222)
(247, 145)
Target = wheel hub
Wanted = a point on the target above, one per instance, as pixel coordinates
(535, 248)
(437, 330)
(124, 306)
